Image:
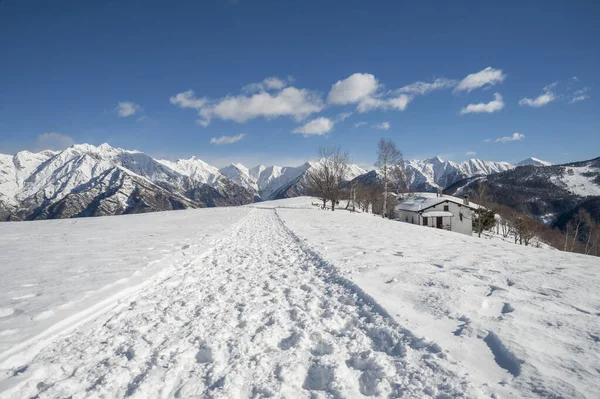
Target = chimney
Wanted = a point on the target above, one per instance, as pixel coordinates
(466, 199)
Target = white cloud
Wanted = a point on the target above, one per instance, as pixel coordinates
(484, 78)
(471, 153)
(424, 87)
(53, 141)
(495, 105)
(290, 101)
(539, 101)
(514, 137)
(487, 140)
(578, 99)
(383, 126)
(127, 108)
(270, 83)
(343, 116)
(546, 97)
(359, 124)
(316, 127)
(580, 95)
(227, 139)
(353, 89)
(371, 103)
(188, 99)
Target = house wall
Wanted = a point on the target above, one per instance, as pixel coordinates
(464, 227)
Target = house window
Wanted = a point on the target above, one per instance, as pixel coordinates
(425, 221)
(446, 208)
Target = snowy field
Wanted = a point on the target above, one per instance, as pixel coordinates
(280, 299)
(56, 269)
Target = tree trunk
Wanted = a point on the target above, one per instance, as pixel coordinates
(385, 184)
(575, 236)
(324, 203)
(332, 206)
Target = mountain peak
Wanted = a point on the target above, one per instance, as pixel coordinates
(533, 161)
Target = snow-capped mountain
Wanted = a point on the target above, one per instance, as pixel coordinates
(545, 192)
(85, 180)
(434, 173)
(533, 161)
(88, 180)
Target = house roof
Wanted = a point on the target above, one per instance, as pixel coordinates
(437, 213)
(417, 202)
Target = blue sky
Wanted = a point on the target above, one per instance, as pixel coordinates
(502, 81)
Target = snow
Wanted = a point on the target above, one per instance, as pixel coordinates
(534, 161)
(435, 172)
(194, 168)
(53, 269)
(457, 291)
(281, 299)
(575, 181)
(419, 201)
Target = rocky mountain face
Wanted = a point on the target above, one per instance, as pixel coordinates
(552, 193)
(85, 180)
(431, 174)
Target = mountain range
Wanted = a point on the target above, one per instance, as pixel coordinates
(88, 180)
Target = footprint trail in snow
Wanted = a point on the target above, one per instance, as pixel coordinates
(260, 315)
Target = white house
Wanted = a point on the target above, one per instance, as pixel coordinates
(437, 210)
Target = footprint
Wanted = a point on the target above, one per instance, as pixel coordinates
(290, 341)
(318, 377)
(507, 308)
(204, 354)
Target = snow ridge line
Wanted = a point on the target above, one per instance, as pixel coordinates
(334, 276)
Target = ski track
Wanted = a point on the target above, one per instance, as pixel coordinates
(260, 315)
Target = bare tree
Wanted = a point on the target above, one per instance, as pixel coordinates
(390, 162)
(484, 218)
(326, 177)
(575, 224)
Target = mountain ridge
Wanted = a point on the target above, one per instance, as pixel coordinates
(53, 184)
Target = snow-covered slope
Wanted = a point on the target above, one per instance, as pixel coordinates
(434, 173)
(533, 161)
(271, 178)
(296, 303)
(196, 169)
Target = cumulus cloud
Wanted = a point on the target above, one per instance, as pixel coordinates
(127, 108)
(514, 137)
(383, 126)
(270, 83)
(423, 88)
(188, 99)
(316, 127)
(290, 101)
(495, 105)
(546, 97)
(53, 141)
(227, 139)
(471, 153)
(353, 89)
(485, 78)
